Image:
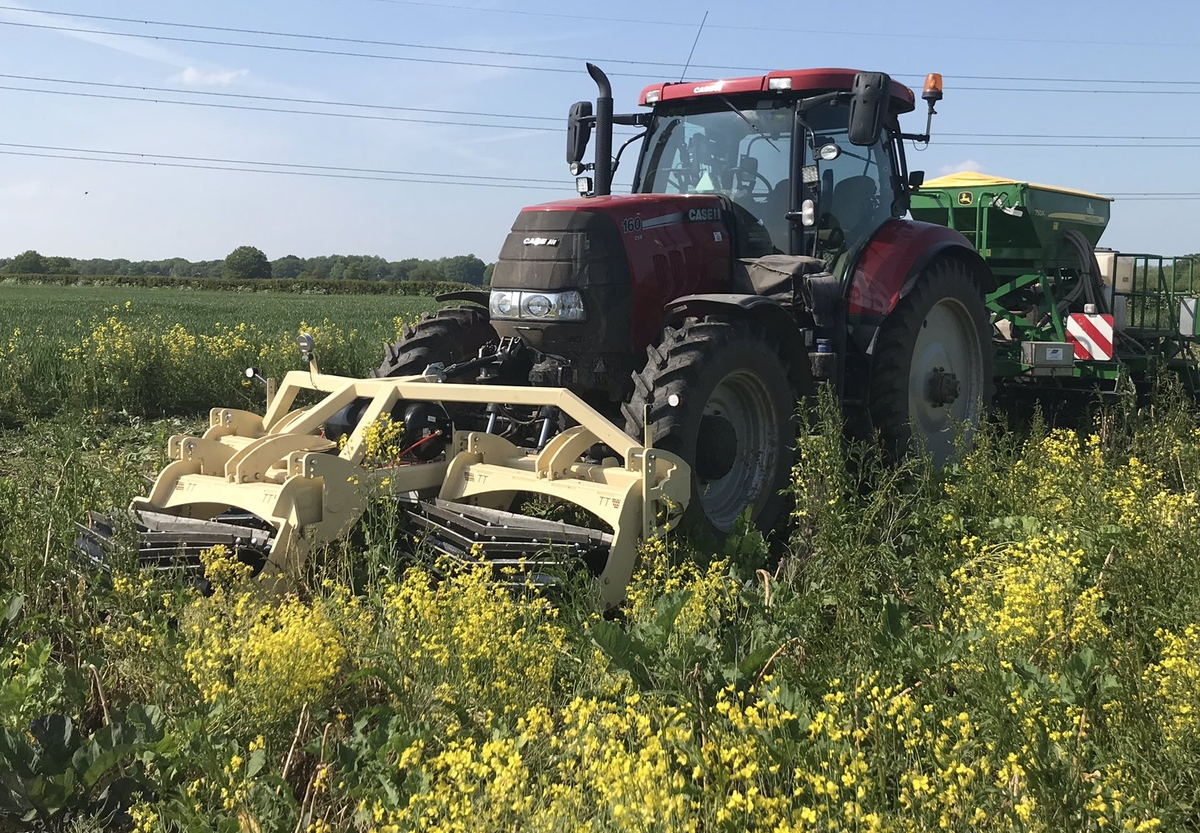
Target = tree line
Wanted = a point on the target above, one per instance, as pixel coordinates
(249, 263)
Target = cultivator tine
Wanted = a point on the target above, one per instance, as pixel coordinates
(506, 539)
(94, 541)
(168, 542)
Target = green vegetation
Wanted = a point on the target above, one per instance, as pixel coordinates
(164, 351)
(246, 263)
(1011, 643)
(249, 263)
(293, 286)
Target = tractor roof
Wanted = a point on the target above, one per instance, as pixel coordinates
(810, 81)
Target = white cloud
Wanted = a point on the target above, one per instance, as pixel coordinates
(965, 165)
(217, 78)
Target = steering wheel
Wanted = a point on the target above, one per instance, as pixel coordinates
(757, 196)
(679, 177)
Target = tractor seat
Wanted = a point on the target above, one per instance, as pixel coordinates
(854, 203)
(774, 214)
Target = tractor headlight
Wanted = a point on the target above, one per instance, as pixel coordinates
(538, 306)
(543, 306)
(503, 304)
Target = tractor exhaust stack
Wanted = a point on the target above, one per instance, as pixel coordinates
(604, 131)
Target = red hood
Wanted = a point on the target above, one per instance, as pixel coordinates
(673, 245)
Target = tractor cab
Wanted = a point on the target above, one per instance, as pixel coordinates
(779, 151)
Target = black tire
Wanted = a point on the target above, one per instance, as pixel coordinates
(720, 396)
(448, 336)
(933, 364)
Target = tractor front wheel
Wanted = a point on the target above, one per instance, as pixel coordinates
(720, 396)
(932, 370)
(447, 336)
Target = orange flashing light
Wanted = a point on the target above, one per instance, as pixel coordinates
(933, 87)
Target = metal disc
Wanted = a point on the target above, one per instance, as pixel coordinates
(742, 400)
(948, 343)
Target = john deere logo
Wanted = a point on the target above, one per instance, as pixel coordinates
(965, 198)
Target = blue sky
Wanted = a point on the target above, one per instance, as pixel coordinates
(94, 209)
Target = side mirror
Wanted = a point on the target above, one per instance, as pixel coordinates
(916, 179)
(579, 133)
(868, 107)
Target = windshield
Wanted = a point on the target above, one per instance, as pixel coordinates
(738, 148)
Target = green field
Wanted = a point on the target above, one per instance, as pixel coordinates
(57, 308)
(1011, 644)
(168, 351)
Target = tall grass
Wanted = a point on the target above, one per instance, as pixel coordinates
(1012, 642)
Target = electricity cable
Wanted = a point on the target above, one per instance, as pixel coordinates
(1086, 140)
(276, 171)
(508, 53)
(338, 168)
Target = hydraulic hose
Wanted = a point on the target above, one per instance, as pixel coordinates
(1089, 270)
(1091, 284)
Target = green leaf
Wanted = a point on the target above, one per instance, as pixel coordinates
(148, 722)
(664, 623)
(893, 618)
(383, 675)
(255, 764)
(626, 653)
(104, 759)
(55, 734)
(11, 610)
(20, 756)
(752, 664)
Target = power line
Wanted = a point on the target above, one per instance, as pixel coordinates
(1065, 136)
(1154, 146)
(524, 128)
(1160, 199)
(164, 161)
(261, 109)
(367, 174)
(806, 31)
(210, 94)
(474, 113)
(364, 41)
(511, 53)
(1086, 91)
(339, 168)
(250, 97)
(300, 49)
(1160, 142)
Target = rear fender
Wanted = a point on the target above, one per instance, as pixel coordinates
(894, 259)
(767, 313)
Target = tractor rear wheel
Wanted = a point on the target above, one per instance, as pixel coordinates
(720, 396)
(932, 370)
(447, 336)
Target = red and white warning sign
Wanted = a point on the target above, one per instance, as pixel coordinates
(1092, 336)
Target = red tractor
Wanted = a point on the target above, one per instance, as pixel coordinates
(764, 251)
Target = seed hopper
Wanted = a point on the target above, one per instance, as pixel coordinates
(1067, 313)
